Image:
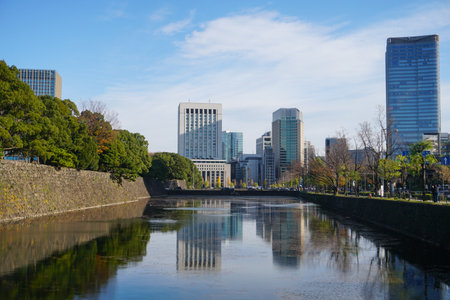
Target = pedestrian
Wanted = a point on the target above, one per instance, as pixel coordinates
(435, 191)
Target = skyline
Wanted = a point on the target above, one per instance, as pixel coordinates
(142, 60)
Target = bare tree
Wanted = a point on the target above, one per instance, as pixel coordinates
(338, 159)
(99, 107)
(379, 142)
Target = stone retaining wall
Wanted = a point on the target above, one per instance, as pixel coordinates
(424, 221)
(30, 190)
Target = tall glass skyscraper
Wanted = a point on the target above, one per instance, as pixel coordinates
(412, 88)
(287, 138)
(232, 145)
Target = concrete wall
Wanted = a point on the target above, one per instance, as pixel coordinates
(31, 190)
(425, 221)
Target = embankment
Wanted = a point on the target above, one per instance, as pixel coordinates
(424, 221)
(33, 190)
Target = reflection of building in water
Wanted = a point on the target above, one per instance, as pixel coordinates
(199, 241)
(198, 244)
(285, 229)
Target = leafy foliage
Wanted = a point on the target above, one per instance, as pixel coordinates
(54, 131)
(169, 166)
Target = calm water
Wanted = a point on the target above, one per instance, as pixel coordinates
(221, 248)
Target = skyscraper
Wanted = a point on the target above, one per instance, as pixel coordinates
(42, 82)
(199, 130)
(287, 138)
(232, 145)
(199, 139)
(412, 88)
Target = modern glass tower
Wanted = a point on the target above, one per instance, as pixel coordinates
(232, 145)
(287, 138)
(42, 82)
(412, 89)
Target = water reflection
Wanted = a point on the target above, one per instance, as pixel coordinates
(82, 270)
(199, 241)
(296, 249)
(284, 228)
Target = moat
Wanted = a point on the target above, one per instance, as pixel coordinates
(215, 247)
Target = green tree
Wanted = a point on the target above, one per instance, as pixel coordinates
(389, 169)
(170, 166)
(20, 113)
(420, 161)
(127, 156)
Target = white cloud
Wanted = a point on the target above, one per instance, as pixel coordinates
(178, 26)
(255, 63)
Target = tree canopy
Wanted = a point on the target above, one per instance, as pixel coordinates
(56, 133)
(170, 166)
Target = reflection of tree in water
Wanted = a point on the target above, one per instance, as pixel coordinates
(399, 279)
(330, 235)
(388, 275)
(81, 270)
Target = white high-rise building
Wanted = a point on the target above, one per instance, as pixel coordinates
(200, 130)
(200, 139)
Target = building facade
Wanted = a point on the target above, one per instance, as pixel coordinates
(200, 130)
(232, 145)
(309, 154)
(200, 139)
(263, 142)
(412, 89)
(248, 170)
(216, 172)
(287, 138)
(42, 82)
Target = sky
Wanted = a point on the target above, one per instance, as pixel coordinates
(142, 58)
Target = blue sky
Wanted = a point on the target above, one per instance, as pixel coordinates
(142, 58)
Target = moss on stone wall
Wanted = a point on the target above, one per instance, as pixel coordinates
(30, 190)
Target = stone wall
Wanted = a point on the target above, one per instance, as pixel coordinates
(31, 190)
(419, 220)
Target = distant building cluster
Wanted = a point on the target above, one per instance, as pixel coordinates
(413, 114)
(219, 155)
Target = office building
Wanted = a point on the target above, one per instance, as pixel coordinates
(200, 139)
(265, 150)
(412, 89)
(309, 153)
(268, 167)
(248, 169)
(42, 82)
(263, 142)
(199, 130)
(287, 138)
(232, 145)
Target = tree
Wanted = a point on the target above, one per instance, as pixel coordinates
(98, 107)
(20, 113)
(127, 157)
(338, 160)
(219, 184)
(379, 142)
(170, 166)
(100, 129)
(389, 169)
(420, 160)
